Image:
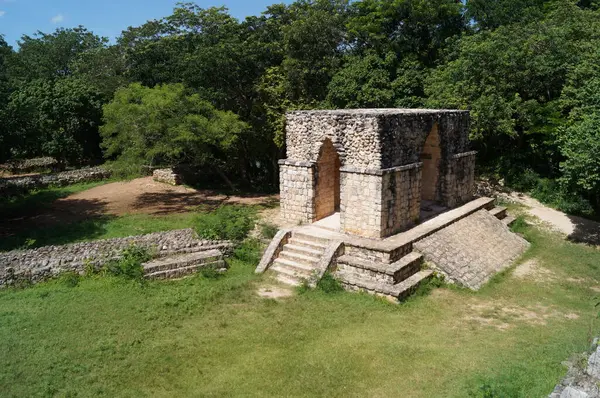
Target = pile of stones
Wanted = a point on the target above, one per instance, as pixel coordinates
(167, 176)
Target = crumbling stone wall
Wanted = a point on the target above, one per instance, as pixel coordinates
(35, 265)
(167, 176)
(14, 185)
(380, 153)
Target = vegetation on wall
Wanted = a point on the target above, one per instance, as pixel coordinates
(529, 71)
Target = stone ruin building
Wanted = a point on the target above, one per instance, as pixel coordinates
(366, 187)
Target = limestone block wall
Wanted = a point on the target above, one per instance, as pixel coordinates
(401, 198)
(458, 185)
(35, 265)
(361, 203)
(168, 176)
(297, 186)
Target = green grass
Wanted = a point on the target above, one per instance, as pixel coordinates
(102, 227)
(214, 337)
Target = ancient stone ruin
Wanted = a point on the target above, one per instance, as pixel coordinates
(375, 166)
(366, 185)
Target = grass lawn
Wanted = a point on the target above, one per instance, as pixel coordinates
(215, 337)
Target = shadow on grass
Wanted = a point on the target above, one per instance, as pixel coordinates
(57, 234)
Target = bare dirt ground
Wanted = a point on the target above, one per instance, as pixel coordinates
(139, 196)
(576, 228)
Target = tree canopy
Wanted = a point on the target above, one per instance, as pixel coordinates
(213, 90)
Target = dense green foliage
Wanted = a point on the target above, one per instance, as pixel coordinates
(229, 222)
(202, 87)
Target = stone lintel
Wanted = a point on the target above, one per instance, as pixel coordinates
(380, 172)
(296, 163)
(464, 154)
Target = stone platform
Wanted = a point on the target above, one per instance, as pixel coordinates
(393, 267)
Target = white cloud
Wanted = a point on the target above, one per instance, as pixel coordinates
(57, 18)
(2, 13)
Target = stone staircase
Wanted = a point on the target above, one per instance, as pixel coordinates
(298, 259)
(182, 265)
(397, 279)
(500, 213)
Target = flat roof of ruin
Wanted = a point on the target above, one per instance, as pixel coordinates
(376, 111)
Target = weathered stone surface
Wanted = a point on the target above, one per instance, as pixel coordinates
(580, 381)
(25, 165)
(383, 156)
(25, 184)
(167, 176)
(473, 249)
(38, 264)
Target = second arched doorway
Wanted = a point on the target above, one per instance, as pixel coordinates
(327, 193)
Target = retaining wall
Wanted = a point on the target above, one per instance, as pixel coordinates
(45, 262)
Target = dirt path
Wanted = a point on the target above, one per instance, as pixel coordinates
(139, 196)
(576, 228)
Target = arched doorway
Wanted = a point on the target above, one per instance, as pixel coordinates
(327, 194)
(430, 157)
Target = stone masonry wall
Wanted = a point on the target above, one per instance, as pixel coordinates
(167, 176)
(297, 191)
(24, 184)
(38, 264)
(401, 198)
(361, 203)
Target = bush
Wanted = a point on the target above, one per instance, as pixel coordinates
(227, 222)
(329, 284)
(249, 252)
(130, 263)
(268, 230)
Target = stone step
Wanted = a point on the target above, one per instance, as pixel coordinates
(509, 220)
(301, 258)
(310, 237)
(308, 244)
(291, 268)
(499, 212)
(399, 290)
(185, 271)
(197, 259)
(307, 251)
(395, 272)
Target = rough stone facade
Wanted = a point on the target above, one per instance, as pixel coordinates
(168, 176)
(24, 184)
(38, 264)
(375, 166)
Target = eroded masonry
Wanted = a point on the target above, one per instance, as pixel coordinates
(382, 198)
(375, 167)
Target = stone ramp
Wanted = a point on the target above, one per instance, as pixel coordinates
(473, 249)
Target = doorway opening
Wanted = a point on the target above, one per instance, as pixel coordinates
(327, 193)
(430, 178)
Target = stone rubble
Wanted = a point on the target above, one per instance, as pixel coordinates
(583, 377)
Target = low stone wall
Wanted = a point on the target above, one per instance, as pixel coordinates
(45, 262)
(168, 176)
(26, 165)
(24, 184)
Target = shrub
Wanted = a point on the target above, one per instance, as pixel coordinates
(130, 263)
(227, 222)
(268, 230)
(329, 284)
(249, 251)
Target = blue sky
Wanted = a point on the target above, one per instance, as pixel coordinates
(103, 17)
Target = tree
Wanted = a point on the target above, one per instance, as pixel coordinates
(58, 118)
(5, 90)
(165, 125)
